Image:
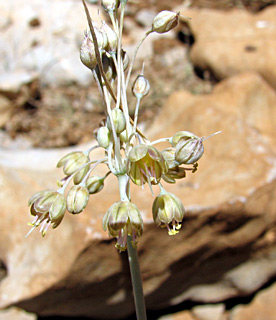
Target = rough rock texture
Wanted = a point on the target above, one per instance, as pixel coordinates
(228, 42)
(262, 307)
(225, 249)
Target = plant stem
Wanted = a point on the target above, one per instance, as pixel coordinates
(136, 281)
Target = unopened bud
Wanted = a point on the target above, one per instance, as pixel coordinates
(87, 53)
(189, 151)
(118, 120)
(165, 21)
(111, 37)
(103, 137)
(77, 199)
(181, 134)
(141, 87)
(95, 184)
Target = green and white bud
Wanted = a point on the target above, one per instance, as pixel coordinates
(119, 120)
(72, 162)
(94, 184)
(165, 21)
(87, 53)
(168, 211)
(141, 87)
(123, 218)
(103, 137)
(48, 207)
(77, 199)
(189, 151)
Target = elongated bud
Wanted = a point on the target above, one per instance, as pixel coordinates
(111, 37)
(141, 87)
(103, 137)
(87, 53)
(95, 184)
(118, 120)
(182, 134)
(77, 199)
(165, 21)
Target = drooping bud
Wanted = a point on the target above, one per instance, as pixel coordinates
(94, 184)
(77, 199)
(72, 162)
(122, 219)
(165, 21)
(103, 137)
(119, 120)
(108, 67)
(168, 211)
(189, 151)
(48, 207)
(141, 87)
(87, 53)
(174, 171)
(110, 5)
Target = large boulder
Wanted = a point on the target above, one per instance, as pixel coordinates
(226, 247)
(229, 42)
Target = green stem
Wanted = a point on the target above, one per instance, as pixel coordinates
(136, 281)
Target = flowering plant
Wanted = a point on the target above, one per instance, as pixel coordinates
(128, 154)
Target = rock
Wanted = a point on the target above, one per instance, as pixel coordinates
(226, 247)
(16, 314)
(45, 38)
(145, 17)
(229, 42)
(262, 307)
(182, 315)
(209, 312)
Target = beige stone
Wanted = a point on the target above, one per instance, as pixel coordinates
(262, 307)
(229, 42)
(209, 312)
(16, 314)
(226, 247)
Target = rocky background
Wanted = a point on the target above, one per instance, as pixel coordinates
(214, 72)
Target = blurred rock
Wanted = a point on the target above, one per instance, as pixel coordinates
(16, 314)
(145, 17)
(209, 312)
(44, 37)
(229, 42)
(226, 247)
(182, 315)
(262, 307)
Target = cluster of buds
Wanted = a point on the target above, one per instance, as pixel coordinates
(128, 154)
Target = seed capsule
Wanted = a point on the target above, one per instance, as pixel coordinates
(103, 137)
(141, 87)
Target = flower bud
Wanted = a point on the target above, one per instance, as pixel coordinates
(103, 137)
(189, 151)
(77, 199)
(165, 21)
(72, 162)
(94, 184)
(47, 206)
(168, 210)
(122, 219)
(111, 38)
(110, 5)
(118, 120)
(87, 53)
(182, 134)
(141, 87)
